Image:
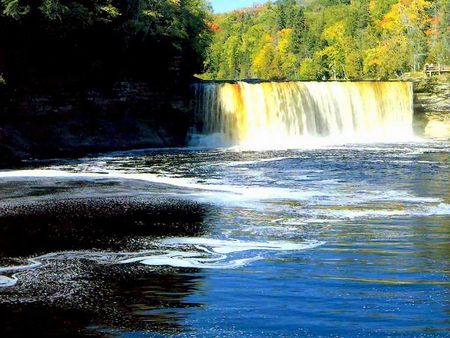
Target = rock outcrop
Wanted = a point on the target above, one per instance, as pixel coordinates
(432, 107)
(70, 122)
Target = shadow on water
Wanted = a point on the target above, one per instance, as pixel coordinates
(75, 295)
(100, 301)
(73, 215)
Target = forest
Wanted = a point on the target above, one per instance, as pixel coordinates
(329, 40)
(97, 41)
(80, 76)
(108, 40)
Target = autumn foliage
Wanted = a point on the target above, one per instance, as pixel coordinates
(329, 39)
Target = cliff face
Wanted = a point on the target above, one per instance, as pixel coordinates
(51, 120)
(87, 76)
(67, 122)
(432, 108)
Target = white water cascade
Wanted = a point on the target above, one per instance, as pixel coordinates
(296, 114)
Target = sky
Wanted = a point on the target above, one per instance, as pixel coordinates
(221, 6)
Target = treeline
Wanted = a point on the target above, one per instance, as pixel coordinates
(329, 39)
(99, 40)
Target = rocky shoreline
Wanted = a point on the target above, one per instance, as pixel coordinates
(432, 107)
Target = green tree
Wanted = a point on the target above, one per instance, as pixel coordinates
(339, 39)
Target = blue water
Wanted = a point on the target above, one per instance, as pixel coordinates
(337, 241)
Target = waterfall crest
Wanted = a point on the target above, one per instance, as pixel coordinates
(290, 114)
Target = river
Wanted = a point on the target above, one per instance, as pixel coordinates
(330, 240)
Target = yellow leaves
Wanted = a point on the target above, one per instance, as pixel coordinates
(372, 5)
(331, 51)
(151, 14)
(274, 59)
(405, 14)
(285, 33)
(111, 10)
(416, 8)
(263, 59)
(339, 45)
(358, 39)
(374, 56)
(387, 57)
(285, 60)
(334, 33)
(284, 40)
(353, 64)
(391, 21)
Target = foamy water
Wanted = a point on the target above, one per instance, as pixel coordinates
(354, 234)
(211, 253)
(186, 252)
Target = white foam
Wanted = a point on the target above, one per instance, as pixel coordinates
(48, 173)
(239, 163)
(209, 253)
(236, 195)
(246, 192)
(183, 259)
(420, 211)
(7, 281)
(230, 245)
(11, 281)
(33, 263)
(440, 209)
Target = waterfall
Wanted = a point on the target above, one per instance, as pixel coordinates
(291, 114)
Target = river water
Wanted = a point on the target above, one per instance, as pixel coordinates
(344, 240)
